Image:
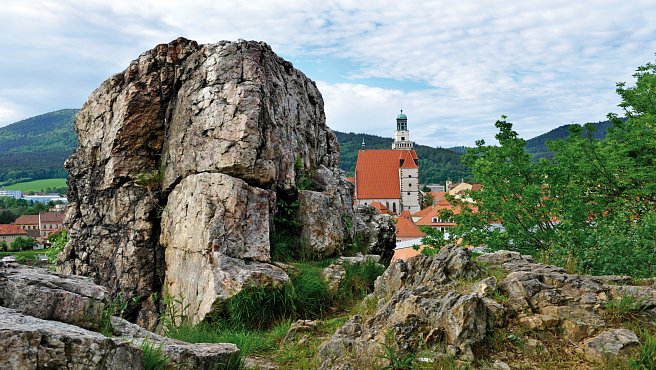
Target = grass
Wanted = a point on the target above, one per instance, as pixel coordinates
(258, 318)
(37, 185)
(624, 309)
(153, 357)
(31, 254)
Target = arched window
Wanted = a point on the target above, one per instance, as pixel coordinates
(394, 207)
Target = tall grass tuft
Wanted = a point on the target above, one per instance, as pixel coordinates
(359, 281)
(647, 358)
(153, 357)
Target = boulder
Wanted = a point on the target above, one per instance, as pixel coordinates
(375, 232)
(336, 272)
(27, 342)
(609, 344)
(37, 292)
(181, 159)
(180, 355)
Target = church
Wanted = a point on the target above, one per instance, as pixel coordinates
(389, 176)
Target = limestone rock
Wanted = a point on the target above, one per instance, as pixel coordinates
(180, 354)
(375, 231)
(608, 344)
(415, 304)
(323, 232)
(37, 292)
(485, 287)
(299, 326)
(177, 131)
(31, 343)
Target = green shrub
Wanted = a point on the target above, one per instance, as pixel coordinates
(58, 241)
(624, 309)
(259, 307)
(396, 360)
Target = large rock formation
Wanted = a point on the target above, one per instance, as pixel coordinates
(181, 160)
(376, 232)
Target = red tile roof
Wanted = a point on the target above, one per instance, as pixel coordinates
(380, 207)
(406, 228)
(438, 196)
(11, 229)
(405, 213)
(427, 218)
(27, 220)
(377, 172)
(52, 217)
(351, 180)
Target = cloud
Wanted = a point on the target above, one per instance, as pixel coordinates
(456, 67)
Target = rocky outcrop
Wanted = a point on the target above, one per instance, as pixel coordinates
(335, 273)
(447, 305)
(375, 231)
(180, 355)
(27, 342)
(182, 159)
(44, 295)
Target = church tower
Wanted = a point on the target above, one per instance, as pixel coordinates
(402, 135)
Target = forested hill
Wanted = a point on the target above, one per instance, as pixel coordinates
(36, 148)
(436, 164)
(537, 146)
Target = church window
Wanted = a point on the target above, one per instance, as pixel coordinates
(408, 193)
(409, 175)
(394, 207)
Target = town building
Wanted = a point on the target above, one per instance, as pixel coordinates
(9, 232)
(389, 176)
(16, 194)
(42, 225)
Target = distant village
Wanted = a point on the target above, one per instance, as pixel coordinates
(388, 180)
(33, 229)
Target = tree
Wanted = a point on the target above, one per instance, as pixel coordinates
(593, 205)
(23, 244)
(3, 246)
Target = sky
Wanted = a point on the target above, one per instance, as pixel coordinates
(454, 67)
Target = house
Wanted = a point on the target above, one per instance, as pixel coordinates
(406, 229)
(433, 217)
(9, 232)
(16, 194)
(49, 222)
(458, 189)
(41, 225)
(389, 176)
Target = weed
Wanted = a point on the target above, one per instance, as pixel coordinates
(153, 357)
(312, 296)
(358, 282)
(395, 360)
(624, 309)
(499, 297)
(647, 357)
(115, 307)
(150, 180)
(175, 311)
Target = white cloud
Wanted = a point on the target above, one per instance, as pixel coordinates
(542, 63)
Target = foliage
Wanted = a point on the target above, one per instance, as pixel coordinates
(115, 307)
(153, 356)
(3, 246)
(19, 207)
(395, 360)
(647, 357)
(174, 313)
(623, 309)
(358, 281)
(57, 241)
(37, 147)
(22, 244)
(591, 206)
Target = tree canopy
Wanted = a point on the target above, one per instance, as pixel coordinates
(591, 207)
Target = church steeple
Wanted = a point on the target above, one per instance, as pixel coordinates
(402, 134)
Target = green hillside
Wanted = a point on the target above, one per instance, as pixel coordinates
(436, 164)
(537, 146)
(36, 148)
